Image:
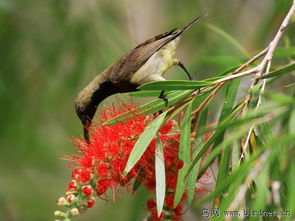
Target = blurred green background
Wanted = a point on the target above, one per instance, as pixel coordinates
(50, 49)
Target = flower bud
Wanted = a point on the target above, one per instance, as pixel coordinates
(82, 209)
(76, 174)
(87, 190)
(61, 201)
(59, 214)
(75, 212)
(151, 204)
(69, 193)
(72, 185)
(90, 202)
(72, 198)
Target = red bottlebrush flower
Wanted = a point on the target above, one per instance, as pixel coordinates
(107, 154)
(72, 185)
(71, 198)
(100, 163)
(167, 127)
(150, 204)
(178, 210)
(87, 190)
(90, 202)
(102, 186)
(155, 216)
(169, 201)
(150, 183)
(102, 169)
(82, 175)
(180, 164)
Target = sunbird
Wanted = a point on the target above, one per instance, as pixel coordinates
(145, 63)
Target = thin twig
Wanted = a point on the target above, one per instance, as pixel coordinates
(253, 59)
(241, 74)
(208, 99)
(266, 62)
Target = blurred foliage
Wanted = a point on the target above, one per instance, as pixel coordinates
(51, 49)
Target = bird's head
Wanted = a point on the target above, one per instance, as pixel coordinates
(85, 109)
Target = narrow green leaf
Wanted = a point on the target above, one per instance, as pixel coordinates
(175, 111)
(235, 155)
(236, 177)
(223, 60)
(143, 142)
(291, 191)
(280, 98)
(241, 179)
(152, 93)
(255, 165)
(258, 115)
(198, 142)
(160, 177)
(206, 145)
(184, 152)
(292, 121)
(284, 52)
(150, 107)
(203, 118)
(234, 136)
(233, 180)
(192, 177)
(262, 191)
(174, 85)
(231, 93)
(284, 70)
(137, 182)
(229, 38)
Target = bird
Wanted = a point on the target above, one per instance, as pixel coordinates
(147, 62)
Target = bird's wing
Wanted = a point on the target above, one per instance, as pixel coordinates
(135, 58)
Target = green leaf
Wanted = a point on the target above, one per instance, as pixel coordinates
(160, 177)
(292, 121)
(203, 118)
(284, 52)
(174, 85)
(137, 182)
(235, 155)
(176, 110)
(192, 177)
(280, 98)
(262, 191)
(183, 153)
(231, 93)
(143, 142)
(241, 179)
(206, 145)
(234, 179)
(291, 190)
(234, 136)
(229, 122)
(198, 142)
(150, 107)
(254, 166)
(284, 70)
(152, 93)
(229, 38)
(222, 60)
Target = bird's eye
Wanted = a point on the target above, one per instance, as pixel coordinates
(80, 112)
